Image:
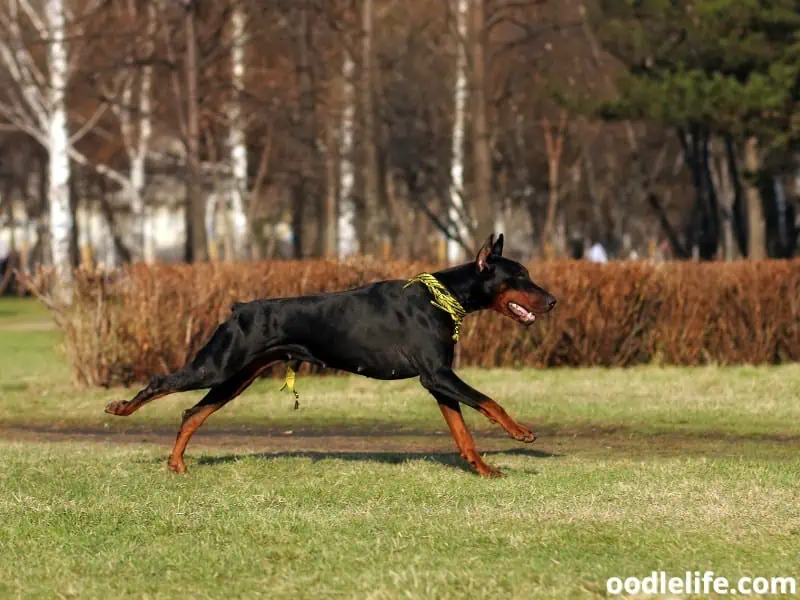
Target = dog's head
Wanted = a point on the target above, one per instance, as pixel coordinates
(509, 286)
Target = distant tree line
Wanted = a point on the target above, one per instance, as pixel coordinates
(409, 129)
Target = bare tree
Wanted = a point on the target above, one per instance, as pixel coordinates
(38, 106)
(196, 242)
(481, 147)
(134, 114)
(554, 148)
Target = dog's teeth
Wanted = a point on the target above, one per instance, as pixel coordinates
(523, 313)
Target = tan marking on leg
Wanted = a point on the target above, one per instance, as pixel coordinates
(495, 413)
(464, 442)
(194, 417)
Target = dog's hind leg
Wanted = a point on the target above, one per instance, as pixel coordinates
(216, 362)
(222, 393)
(217, 397)
(159, 386)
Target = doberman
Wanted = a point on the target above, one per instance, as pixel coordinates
(385, 330)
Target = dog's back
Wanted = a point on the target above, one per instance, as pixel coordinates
(374, 330)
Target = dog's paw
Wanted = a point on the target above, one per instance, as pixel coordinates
(116, 408)
(524, 435)
(488, 472)
(177, 467)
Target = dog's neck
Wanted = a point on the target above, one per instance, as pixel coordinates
(464, 283)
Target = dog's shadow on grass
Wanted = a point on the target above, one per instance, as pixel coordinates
(449, 459)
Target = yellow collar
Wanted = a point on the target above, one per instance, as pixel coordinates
(442, 298)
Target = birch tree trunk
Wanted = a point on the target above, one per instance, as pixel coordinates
(142, 231)
(347, 241)
(61, 224)
(138, 174)
(456, 214)
(372, 217)
(237, 138)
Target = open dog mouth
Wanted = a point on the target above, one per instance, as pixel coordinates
(522, 314)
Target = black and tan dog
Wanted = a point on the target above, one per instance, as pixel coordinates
(385, 330)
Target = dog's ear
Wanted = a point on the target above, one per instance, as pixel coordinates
(482, 260)
(497, 247)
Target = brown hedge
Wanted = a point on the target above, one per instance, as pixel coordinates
(142, 321)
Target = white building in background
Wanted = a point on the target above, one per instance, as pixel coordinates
(168, 227)
(165, 212)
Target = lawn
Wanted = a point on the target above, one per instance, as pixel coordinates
(359, 493)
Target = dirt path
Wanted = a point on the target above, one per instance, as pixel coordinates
(262, 439)
(333, 441)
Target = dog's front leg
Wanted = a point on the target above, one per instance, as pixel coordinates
(466, 445)
(448, 383)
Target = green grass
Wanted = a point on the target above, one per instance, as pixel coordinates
(22, 311)
(638, 470)
(93, 521)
